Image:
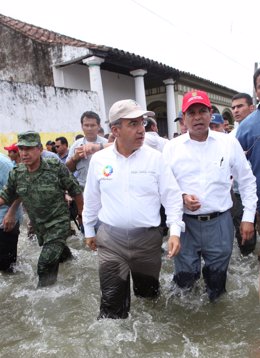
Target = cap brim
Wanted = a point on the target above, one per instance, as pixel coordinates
(138, 113)
(188, 105)
(27, 144)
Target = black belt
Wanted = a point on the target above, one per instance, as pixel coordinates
(205, 217)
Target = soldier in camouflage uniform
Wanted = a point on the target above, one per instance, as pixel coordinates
(41, 185)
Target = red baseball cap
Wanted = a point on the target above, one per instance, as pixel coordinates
(195, 97)
(13, 147)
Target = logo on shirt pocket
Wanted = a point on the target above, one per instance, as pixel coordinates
(107, 171)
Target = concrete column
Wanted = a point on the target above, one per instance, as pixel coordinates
(93, 64)
(139, 87)
(171, 108)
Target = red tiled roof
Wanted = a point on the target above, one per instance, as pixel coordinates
(45, 36)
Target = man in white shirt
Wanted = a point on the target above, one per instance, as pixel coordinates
(203, 161)
(126, 185)
(152, 137)
(242, 106)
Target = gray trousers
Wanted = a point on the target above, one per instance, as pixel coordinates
(211, 240)
(122, 252)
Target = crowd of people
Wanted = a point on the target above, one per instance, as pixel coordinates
(131, 188)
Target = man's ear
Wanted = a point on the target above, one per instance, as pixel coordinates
(115, 131)
(154, 127)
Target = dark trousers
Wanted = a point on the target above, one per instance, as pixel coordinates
(124, 252)
(237, 214)
(8, 247)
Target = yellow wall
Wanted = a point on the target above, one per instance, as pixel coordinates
(10, 138)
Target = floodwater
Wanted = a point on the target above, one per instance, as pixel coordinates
(60, 321)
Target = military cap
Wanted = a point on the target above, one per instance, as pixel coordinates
(28, 139)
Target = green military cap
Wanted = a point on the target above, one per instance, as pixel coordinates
(28, 139)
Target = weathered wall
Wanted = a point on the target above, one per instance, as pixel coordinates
(51, 111)
(24, 60)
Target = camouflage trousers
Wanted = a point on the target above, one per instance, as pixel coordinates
(53, 252)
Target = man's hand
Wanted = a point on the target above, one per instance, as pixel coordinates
(246, 231)
(9, 221)
(191, 202)
(68, 199)
(174, 246)
(91, 243)
(85, 150)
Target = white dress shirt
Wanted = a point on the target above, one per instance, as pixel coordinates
(155, 141)
(205, 169)
(128, 192)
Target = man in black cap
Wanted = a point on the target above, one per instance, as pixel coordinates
(38, 183)
(179, 119)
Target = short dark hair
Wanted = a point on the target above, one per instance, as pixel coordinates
(63, 140)
(256, 74)
(246, 96)
(78, 136)
(150, 122)
(90, 115)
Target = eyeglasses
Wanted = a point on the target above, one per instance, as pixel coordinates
(134, 124)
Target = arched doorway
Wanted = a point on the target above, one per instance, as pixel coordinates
(159, 108)
(228, 115)
(214, 109)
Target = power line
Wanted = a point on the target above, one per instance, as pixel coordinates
(169, 22)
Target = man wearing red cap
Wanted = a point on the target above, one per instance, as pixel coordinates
(203, 162)
(13, 153)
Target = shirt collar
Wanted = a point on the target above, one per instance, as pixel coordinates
(186, 137)
(114, 148)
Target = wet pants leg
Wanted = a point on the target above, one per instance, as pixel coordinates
(212, 240)
(8, 248)
(120, 253)
(163, 221)
(48, 263)
(237, 214)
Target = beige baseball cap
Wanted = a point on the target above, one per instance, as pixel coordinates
(127, 108)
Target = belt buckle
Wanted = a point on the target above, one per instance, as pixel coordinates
(203, 217)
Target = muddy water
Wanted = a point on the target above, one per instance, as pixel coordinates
(61, 321)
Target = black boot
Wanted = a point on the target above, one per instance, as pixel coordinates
(66, 254)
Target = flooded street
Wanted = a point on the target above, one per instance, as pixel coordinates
(60, 321)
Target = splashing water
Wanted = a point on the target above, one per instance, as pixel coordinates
(60, 321)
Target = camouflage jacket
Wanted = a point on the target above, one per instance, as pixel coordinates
(42, 193)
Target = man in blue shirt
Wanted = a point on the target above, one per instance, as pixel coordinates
(248, 134)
